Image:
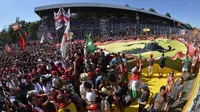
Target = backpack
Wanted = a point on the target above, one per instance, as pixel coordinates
(126, 100)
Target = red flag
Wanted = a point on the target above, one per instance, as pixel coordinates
(25, 34)
(22, 42)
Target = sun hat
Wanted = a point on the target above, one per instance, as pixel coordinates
(83, 77)
(98, 70)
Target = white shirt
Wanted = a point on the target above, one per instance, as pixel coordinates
(37, 87)
(53, 82)
(105, 106)
(37, 109)
(194, 60)
(82, 90)
(134, 85)
(46, 88)
(91, 96)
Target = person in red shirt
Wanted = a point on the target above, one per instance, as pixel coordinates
(195, 62)
(79, 62)
(150, 63)
(139, 63)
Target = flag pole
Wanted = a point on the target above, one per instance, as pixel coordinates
(56, 37)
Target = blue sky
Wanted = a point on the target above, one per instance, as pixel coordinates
(187, 11)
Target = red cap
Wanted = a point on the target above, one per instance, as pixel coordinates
(14, 69)
(64, 77)
(33, 71)
(38, 65)
(39, 70)
(98, 70)
(18, 90)
(19, 76)
(90, 74)
(151, 55)
(54, 73)
(28, 77)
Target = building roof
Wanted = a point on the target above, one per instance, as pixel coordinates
(99, 5)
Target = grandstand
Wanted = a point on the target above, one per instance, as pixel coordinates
(105, 19)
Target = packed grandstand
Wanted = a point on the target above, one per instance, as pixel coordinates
(130, 61)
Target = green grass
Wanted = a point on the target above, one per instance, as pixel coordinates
(120, 46)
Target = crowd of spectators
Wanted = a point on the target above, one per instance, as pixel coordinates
(38, 79)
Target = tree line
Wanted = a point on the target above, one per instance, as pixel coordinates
(9, 36)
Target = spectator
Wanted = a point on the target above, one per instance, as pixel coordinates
(185, 68)
(195, 63)
(150, 63)
(90, 96)
(170, 81)
(158, 101)
(162, 65)
(176, 92)
(135, 83)
(139, 63)
(143, 100)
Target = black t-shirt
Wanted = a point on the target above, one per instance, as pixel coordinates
(22, 98)
(144, 96)
(162, 62)
(112, 77)
(21, 109)
(103, 62)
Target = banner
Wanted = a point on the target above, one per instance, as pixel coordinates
(146, 30)
(195, 106)
(193, 103)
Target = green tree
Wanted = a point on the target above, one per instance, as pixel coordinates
(168, 15)
(32, 30)
(127, 5)
(189, 26)
(4, 36)
(8, 35)
(152, 10)
(13, 35)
